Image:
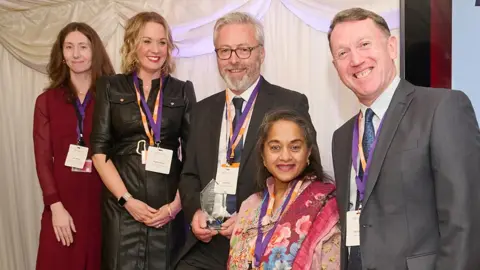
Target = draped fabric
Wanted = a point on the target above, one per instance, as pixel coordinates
(28, 28)
(297, 57)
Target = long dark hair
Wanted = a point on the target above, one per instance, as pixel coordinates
(314, 168)
(59, 72)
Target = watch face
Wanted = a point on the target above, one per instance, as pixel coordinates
(121, 201)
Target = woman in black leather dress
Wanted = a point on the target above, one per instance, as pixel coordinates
(136, 158)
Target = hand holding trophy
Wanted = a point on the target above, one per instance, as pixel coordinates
(214, 205)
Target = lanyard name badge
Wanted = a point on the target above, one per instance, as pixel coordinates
(262, 242)
(77, 153)
(353, 217)
(227, 173)
(157, 159)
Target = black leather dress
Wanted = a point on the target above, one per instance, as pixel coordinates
(117, 128)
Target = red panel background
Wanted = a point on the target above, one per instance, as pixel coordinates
(441, 43)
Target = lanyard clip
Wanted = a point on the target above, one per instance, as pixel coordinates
(157, 144)
(80, 140)
(139, 145)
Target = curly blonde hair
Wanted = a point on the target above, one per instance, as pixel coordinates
(131, 40)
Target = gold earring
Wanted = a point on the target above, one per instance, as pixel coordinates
(308, 162)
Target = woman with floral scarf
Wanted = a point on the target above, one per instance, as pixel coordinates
(292, 221)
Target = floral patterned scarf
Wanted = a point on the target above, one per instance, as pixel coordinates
(308, 220)
(300, 228)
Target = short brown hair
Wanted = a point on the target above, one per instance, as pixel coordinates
(358, 14)
(59, 72)
(131, 41)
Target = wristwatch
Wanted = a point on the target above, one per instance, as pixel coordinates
(124, 198)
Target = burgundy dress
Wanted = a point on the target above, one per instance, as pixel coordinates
(54, 129)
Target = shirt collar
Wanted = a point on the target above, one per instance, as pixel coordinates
(245, 95)
(380, 105)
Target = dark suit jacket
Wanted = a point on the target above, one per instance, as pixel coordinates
(202, 153)
(421, 207)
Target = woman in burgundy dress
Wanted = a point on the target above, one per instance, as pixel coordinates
(70, 236)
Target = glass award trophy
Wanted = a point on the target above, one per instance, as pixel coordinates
(214, 205)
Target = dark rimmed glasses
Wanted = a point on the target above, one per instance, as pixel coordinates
(242, 52)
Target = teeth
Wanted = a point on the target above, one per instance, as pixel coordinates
(153, 58)
(285, 167)
(363, 74)
(236, 70)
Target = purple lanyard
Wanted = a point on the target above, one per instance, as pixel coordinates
(242, 119)
(80, 109)
(261, 243)
(361, 183)
(156, 127)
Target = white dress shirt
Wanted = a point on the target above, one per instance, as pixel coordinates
(219, 208)
(379, 108)
(224, 131)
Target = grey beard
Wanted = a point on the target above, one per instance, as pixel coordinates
(240, 85)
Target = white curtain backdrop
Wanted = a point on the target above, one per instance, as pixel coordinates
(297, 57)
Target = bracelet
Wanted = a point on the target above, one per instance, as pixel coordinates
(127, 196)
(169, 211)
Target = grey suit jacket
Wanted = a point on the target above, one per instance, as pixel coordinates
(421, 208)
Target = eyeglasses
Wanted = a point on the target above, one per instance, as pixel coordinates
(241, 52)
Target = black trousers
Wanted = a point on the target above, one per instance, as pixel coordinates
(206, 256)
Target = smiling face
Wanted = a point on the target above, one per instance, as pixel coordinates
(364, 58)
(239, 74)
(152, 49)
(77, 52)
(285, 152)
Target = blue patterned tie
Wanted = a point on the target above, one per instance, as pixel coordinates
(231, 199)
(368, 133)
(355, 259)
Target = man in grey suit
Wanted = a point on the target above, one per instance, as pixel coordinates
(407, 166)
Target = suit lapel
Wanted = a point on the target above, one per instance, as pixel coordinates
(345, 165)
(213, 122)
(397, 109)
(261, 107)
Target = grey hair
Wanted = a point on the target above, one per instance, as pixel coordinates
(240, 18)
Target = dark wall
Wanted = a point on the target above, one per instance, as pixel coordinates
(427, 42)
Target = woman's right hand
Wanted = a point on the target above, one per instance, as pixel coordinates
(139, 210)
(62, 224)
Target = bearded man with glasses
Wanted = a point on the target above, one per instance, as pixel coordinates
(223, 134)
